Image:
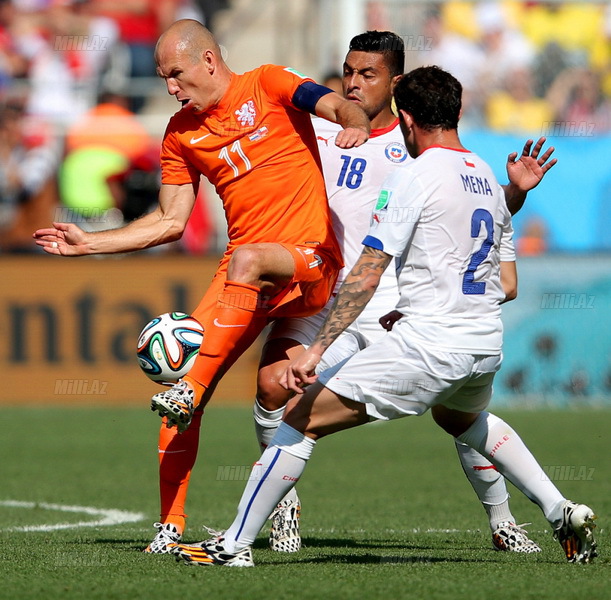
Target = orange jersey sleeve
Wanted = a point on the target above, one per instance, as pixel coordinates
(260, 153)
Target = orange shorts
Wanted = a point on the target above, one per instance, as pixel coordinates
(316, 272)
(315, 275)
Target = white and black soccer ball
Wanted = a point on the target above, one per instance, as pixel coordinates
(168, 346)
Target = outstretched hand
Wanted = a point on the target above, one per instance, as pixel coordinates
(63, 239)
(527, 171)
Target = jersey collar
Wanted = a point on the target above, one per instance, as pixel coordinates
(383, 130)
(446, 148)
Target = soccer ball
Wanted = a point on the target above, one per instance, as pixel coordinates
(168, 346)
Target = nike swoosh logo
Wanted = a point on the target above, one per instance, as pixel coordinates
(216, 322)
(199, 139)
(170, 451)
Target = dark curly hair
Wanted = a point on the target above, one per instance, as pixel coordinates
(432, 96)
(384, 42)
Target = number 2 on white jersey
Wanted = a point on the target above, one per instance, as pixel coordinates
(469, 286)
(236, 148)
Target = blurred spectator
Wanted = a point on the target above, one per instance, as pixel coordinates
(516, 380)
(578, 383)
(577, 27)
(12, 62)
(111, 163)
(578, 97)
(515, 109)
(533, 241)
(457, 55)
(209, 10)
(503, 48)
(450, 51)
(140, 23)
(65, 72)
(333, 81)
(29, 156)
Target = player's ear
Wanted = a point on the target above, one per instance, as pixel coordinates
(406, 118)
(210, 59)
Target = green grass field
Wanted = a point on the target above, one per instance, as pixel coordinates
(387, 512)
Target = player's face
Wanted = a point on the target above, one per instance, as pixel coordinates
(367, 82)
(190, 81)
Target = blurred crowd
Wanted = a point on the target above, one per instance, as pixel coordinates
(75, 75)
(538, 67)
(75, 83)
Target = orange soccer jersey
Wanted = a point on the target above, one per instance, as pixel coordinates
(260, 153)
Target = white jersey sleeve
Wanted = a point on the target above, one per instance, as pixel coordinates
(444, 218)
(507, 250)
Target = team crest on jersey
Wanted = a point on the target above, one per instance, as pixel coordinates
(246, 114)
(396, 152)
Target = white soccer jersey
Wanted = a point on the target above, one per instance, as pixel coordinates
(353, 179)
(448, 265)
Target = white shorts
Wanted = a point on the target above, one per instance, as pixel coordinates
(396, 377)
(363, 332)
(300, 329)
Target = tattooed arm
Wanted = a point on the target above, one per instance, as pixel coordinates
(354, 294)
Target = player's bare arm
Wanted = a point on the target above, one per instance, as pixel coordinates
(509, 280)
(525, 173)
(165, 224)
(354, 294)
(352, 118)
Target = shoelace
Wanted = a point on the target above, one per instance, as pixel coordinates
(213, 532)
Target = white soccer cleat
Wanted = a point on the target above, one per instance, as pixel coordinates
(177, 404)
(167, 536)
(509, 537)
(284, 535)
(576, 532)
(212, 553)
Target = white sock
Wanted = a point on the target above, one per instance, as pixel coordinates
(498, 442)
(277, 471)
(266, 425)
(488, 484)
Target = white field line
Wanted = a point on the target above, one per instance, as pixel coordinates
(106, 517)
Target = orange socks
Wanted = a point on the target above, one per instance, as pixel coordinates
(233, 325)
(230, 329)
(177, 454)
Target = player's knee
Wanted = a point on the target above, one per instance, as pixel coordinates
(451, 421)
(245, 265)
(270, 394)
